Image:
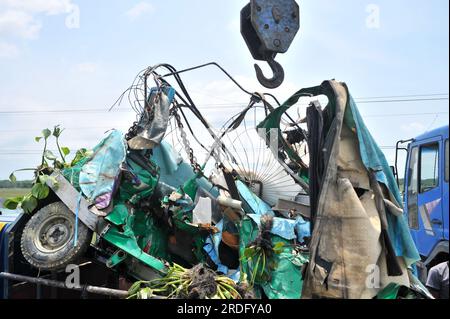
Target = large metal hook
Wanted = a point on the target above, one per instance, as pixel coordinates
(277, 78)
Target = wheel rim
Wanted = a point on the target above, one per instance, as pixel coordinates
(54, 234)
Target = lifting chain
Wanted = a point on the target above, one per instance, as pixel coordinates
(187, 146)
(147, 116)
(132, 131)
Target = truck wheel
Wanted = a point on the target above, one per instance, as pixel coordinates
(48, 238)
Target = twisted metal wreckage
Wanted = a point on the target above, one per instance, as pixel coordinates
(286, 212)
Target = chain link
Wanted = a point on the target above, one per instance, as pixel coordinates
(132, 131)
(187, 146)
(148, 115)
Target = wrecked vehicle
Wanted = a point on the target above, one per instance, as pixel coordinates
(161, 221)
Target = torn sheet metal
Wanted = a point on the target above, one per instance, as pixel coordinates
(128, 243)
(349, 236)
(99, 174)
(153, 123)
(251, 202)
(374, 159)
(164, 212)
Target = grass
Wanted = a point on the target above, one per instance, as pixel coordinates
(13, 192)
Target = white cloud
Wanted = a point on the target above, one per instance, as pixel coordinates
(8, 50)
(19, 23)
(20, 18)
(49, 7)
(86, 68)
(139, 9)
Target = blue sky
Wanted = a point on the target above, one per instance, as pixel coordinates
(48, 62)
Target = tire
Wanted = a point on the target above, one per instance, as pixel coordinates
(47, 239)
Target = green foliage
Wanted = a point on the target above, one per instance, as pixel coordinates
(79, 155)
(29, 203)
(12, 203)
(49, 155)
(12, 177)
(46, 133)
(57, 131)
(260, 261)
(278, 247)
(39, 189)
(65, 150)
(179, 282)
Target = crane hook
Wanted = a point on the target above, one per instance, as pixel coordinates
(277, 78)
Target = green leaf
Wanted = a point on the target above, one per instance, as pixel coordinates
(11, 203)
(145, 293)
(135, 287)
(12, 177)
(79, 155)
(29, 203)
(40, 191)
(65, 150)
(46, 133)
(227, 294)
(54, 182)
(37, 138)
(248, 253)
(278, 247)
(57, 131)
(49, 155)
(57, 164)
(43, 179)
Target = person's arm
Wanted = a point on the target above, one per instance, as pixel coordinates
(434, 282)
(435, 293)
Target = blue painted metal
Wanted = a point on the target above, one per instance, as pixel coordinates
(431, 206)
(8, 219)
(276, 23)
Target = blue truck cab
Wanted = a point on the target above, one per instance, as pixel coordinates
(426, 196)
(9, 225)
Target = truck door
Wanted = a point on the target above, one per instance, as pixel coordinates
(445, 210)
(427, 222)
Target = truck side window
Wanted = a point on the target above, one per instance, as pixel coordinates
(446, 160)
(429, 167)
(413, 175)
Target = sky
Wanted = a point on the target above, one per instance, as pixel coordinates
(80, 55)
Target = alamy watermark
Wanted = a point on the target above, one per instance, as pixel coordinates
(73, 277)
(373, 17)
(373, 278)
(73, 16)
